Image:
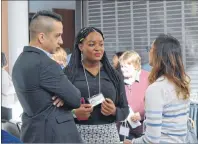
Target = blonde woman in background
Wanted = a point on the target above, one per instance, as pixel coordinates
(136, 83)
(60, 56)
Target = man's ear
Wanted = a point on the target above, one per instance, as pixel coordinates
(80, 47)
(41, 37)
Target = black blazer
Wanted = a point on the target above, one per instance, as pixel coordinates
(37, 78)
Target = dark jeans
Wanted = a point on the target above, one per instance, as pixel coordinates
(6, 113)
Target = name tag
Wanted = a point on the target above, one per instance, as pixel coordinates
(96, 99)
(124, 131)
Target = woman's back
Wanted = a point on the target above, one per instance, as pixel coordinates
(170, 114)
(167, 98)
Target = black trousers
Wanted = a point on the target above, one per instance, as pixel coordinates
(6, 113)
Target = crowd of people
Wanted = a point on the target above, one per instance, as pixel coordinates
(88, 100)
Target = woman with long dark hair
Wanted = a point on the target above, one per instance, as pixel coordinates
(103, 94)
(167, 97)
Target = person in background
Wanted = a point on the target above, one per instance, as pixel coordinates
(147, 66)
(115, 60)
(8, 92)
(136, 83)
(60, 56)
(37, 79)
(68, 57)
(90, 71)
(167, 97)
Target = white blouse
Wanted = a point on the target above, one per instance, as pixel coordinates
(9, 97)
(8, 92)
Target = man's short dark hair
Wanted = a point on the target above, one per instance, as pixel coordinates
(49, 14)
(42, 21)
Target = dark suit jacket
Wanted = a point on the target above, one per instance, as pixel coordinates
(37, 78)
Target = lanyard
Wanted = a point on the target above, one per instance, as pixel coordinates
(88, 82)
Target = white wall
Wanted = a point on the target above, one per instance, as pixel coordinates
(35, 6)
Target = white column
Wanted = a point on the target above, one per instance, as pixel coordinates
(18, 37)
(18, 31)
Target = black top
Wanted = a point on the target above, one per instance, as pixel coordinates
(108, 90)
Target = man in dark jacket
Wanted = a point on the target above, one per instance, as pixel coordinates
(37, 78)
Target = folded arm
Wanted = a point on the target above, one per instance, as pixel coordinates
(54, 80)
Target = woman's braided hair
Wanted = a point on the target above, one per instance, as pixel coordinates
(72, 69)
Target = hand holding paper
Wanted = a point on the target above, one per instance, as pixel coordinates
(108, 107)
(135, 122)
(136, 117)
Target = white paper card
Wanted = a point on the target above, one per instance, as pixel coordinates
(132, 124)
(124, 131)
(96, 99)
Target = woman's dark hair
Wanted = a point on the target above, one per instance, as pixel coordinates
(118, 54)
(167, 61)
(72, 69)
(118, 68)
(3, 60)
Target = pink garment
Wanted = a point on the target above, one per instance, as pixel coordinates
(135, 93)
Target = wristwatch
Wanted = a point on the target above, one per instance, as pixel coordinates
(73, 113)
